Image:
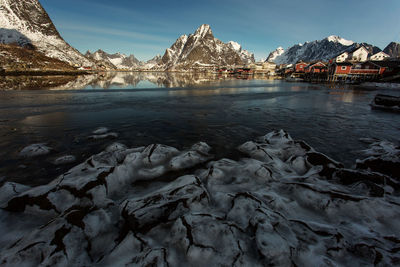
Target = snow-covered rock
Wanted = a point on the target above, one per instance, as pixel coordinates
(284, 204)
(27, 23)
(35, 150)
(9, 190)
(102, 133)
(101, 130)
(67, 159)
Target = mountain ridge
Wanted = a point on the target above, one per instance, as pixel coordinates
(324, 49)
(121, 61)
(393, 50)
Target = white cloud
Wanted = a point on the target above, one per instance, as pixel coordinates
(114, 31)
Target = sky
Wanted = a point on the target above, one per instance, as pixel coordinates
(146, 28)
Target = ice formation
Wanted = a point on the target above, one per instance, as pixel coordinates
(282, 204)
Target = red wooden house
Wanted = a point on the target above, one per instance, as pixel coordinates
(299, 67)
(388, 68)
(339, 70)
(366, 68)
(317, 67)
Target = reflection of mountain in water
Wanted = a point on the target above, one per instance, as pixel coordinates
(115, 80)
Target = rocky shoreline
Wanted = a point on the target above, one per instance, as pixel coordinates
(283, 204)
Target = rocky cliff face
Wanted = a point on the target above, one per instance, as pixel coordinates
(324, 49)
(200, 50)
(393, 50)
(26, 23)
(14, 58)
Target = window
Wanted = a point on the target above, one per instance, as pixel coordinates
(344, 67)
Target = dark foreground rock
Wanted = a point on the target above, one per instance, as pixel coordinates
(283, 205)
(386, 102)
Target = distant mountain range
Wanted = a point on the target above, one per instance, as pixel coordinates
(27, 25)
(201, 49)
(324, 49)
(121, 61)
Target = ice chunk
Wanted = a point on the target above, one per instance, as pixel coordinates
(65, 160)
(35, 150)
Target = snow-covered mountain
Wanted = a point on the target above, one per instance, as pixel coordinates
(26, 23)
(393, 50)
(151, 63)
(117, 60)
(273, 55)
(246, 56)
(200, 50)
(324, 49)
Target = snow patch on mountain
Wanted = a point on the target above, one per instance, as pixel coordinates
(273, 55)
(334, 38)
(235, 45)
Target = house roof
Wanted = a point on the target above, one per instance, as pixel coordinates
(358, 48)
(341, 53)
(343, 63)
(315, 63)
(381, 52)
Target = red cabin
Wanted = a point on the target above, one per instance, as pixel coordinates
(300, 66)
(367, 68)
(342, 68)
(318, 67)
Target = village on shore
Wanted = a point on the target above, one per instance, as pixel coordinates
(348, 67)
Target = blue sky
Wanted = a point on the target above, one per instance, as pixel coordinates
(146, 28)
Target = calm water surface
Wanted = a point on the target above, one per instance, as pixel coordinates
(178, 110)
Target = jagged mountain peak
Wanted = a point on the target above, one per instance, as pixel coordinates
(202, 50)
(203, 31)
(338, 39)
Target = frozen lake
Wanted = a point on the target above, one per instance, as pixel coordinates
(177, 110)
